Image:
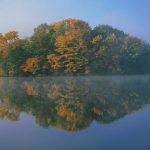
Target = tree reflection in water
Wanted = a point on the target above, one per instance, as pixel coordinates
(73, 103)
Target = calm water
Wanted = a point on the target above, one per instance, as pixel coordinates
(75, 113)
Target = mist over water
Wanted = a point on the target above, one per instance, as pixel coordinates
(96, 112)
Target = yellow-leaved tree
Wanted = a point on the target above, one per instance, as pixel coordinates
(71, 46)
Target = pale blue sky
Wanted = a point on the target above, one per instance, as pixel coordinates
(131, 16)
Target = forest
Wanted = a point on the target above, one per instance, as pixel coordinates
(72, 47)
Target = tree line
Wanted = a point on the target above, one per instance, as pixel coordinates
(72, 47)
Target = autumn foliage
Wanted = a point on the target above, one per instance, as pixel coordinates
(31, 65)
(4, 53)
(72, 47)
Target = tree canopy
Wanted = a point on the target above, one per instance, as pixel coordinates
(72, 47)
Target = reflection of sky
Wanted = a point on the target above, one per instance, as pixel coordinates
(132, 16)
(130, 133)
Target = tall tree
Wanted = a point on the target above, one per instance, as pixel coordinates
(71, 48)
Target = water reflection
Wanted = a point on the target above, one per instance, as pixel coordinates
(72, 104)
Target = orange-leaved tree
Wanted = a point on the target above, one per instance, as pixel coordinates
(71, 46)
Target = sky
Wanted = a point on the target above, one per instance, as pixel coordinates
(131, 16)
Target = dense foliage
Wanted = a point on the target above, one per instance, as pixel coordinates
(72, 47)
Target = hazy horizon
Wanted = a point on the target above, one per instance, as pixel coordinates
(24, 16)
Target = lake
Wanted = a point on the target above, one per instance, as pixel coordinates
(75, 113)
